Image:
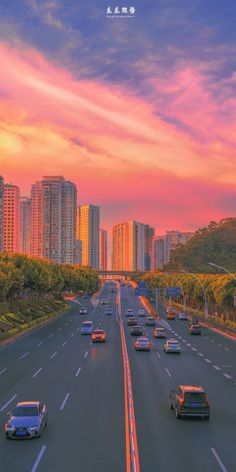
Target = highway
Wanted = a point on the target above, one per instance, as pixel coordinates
(83, 386)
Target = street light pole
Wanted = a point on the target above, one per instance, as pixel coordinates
(181, 285)
(223, 268)
(204, 291)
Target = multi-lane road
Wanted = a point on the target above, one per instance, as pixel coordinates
(85, 389)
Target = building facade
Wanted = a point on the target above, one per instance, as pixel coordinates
(128, 240)
(11, 215)
(1, 211)
(103, 249)
(25, 219)
(149, 234)
(88, 233)
(36, 220)
(163, 245)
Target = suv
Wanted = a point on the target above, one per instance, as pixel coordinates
(188, 400)
(194, 328)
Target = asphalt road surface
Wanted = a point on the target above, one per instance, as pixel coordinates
(83, 386)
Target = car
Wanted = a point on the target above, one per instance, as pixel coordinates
(113, 290)
(103, 301)
(129, 285)
(150, 321)
(129, 312)
(189, 400)
(136, 330)
(141, 312)
(170, 315)
(86, 327)
(159, 333)
(109, 311)
(194, 328)
(183, 316)
(98, 336)
(132, 321)
(27, 420)
(85, 296)
(172, 345)
(169, 309)
(142, 344)
(83, 311)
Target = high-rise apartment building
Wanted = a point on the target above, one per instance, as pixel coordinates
(59, 203)
(103, 249)
(128, 246)
(36, 220)
(78, 252)
(11, 218)
(1, 211)
(149, 234)
(158, 252)
(89, 223)
(25, 218)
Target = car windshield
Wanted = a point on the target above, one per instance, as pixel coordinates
(195, 397)
(172, 342)
(25, 411)
(98, 332)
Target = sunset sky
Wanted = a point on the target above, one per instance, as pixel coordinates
(139, 112)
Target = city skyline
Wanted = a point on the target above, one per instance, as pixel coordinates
(140, 115)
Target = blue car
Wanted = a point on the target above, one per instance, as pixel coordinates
(27, 420)
(86, 327)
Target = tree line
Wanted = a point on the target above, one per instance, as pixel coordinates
(219, 290)
(22, 276)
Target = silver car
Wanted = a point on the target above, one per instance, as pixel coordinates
(27, 420)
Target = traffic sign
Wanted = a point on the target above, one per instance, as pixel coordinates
(142, 291)
(142, 283)
(172, 291)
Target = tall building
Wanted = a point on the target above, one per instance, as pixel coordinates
(36, 220)
(128, 246)
(11, 218)
(1, 211)
(25, 217)
(103, 249)
(158, 252)
(172, 238)
(89, 223)
(149, 234)
(78, 252)
(59, 203)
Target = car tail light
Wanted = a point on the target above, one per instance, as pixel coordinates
(181, 401)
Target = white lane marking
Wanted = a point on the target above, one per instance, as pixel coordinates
(24, 355)
(188, 344)
(180, 337)
(36, 464)
(78, 371)
(216, 367)
(39, 344)
(220, 463)
(194, 349)
(184, 341)
(72, 334)
(77, 329)
(37, 372)
(59, 329)
(157, 353)
(86, 354)
(227, 376)
(71, 319)
(151, 343)
(64, 401)
(64, 343)
(3, 370)
(66, 324)
(206, 337)
(212, 340)
(168, 372)
(219, 345)
(200, 354)
(51, 335)
(8, 403)
(208, 360)
(226, 348)
(53, 355)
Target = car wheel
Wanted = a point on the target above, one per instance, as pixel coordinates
(7, 436)
(207, 417)
(177, 415)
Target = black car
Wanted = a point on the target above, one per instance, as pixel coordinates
(136, 331)
(189, 400)
(132, 322)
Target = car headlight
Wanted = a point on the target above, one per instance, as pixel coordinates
(33, 428)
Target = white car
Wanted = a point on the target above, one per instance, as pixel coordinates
(183, 316)
(109, 311)
(169, 309)
(172, 345)
(83, 311)
(141, 312)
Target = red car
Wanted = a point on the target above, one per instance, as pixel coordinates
(98, 336)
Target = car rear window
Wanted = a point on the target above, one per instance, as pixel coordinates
(195, 397)
(98, 332)
(87, 325)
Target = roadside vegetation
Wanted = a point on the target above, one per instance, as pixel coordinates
(219, 289)
(31, 290)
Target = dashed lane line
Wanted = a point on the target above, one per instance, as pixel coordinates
(36, 373)
(8, 403)
(227, 376)
(64, 401)
(64, 344)
(86, 354)
(218, 459)
(200, 354)
(24, 355)
(36, 464)
(3, 370)
(208, 360)
(51, 335)
(78, 371)
(216, 367)
(168, 372)
(53, 355)
(39, 344)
